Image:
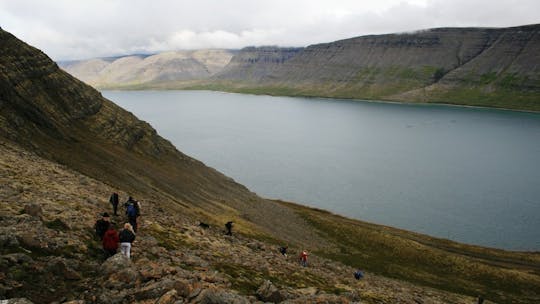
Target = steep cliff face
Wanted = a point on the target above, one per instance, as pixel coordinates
(147, 71)
(254, 64)
(437, 65)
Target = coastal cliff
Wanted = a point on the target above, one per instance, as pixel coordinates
(497, 67)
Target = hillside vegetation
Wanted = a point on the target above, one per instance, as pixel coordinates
(64, 148)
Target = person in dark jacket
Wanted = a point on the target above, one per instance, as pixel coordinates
(102, 225)
(358, 274)
(126, 236)
(110, 241)
(133, 211)
(228, 225)
(114, 202)
(283, 250)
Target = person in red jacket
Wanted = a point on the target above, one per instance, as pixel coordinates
(303, 258)
(110, 241)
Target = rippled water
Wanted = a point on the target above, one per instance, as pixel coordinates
(471, 175)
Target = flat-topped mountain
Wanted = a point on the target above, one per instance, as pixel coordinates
(494, 67)
(148, 70)
(497, 67)
(64, 148)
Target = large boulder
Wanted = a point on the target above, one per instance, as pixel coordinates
(267, 292)
(114, 264)
(219, 296)
(59, 267)
(154, 289)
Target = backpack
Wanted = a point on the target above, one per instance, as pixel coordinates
(131, 211)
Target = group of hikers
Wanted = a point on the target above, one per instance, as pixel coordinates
(106, 231)
(112, 239)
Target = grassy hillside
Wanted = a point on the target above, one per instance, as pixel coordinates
(502, 276)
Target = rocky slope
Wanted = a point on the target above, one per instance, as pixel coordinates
(471, 66)
(49, 252)
(64, 149)
(149, 70)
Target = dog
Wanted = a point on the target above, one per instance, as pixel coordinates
(204, 225)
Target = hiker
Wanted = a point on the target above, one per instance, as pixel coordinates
(102, 225)
(480, 300)
(131, 213)
(114, 202)
(130, 201)
(126, 237)
(283, 250)
(229, 228)
(358, 274)
(137, 205)
(110, 242)
(303, 258)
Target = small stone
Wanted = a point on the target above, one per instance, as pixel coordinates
(33, 210)
(17, 258)
(17, 301)
(169, 297)
(183, 287)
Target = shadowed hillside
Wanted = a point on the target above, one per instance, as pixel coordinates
(49, 111)
(64, 148)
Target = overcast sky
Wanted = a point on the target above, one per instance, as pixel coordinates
(77, 29)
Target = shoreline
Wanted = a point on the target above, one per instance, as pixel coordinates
(376, 101)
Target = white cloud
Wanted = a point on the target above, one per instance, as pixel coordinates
(67, 29)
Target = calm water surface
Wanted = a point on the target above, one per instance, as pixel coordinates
(471, 175)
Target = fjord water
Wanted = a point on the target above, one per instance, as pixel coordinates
(466, 174)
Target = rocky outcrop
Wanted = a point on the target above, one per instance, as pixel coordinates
(254, 64)
(480, 66)
(149, 70)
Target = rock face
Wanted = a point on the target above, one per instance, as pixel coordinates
(254, 64)
(149, 70)
(479, 65)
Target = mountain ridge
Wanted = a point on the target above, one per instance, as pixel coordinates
(477, 66)
(464, 66)
(136, 69)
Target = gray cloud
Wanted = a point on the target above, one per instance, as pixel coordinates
(67, 29)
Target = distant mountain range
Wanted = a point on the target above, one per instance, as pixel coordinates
(136, 70)
(495, 67)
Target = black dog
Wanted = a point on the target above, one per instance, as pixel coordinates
(204, 225)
